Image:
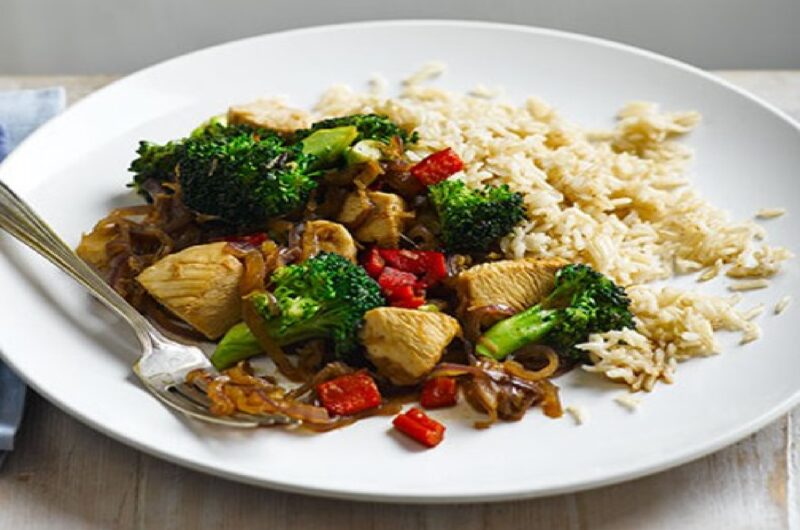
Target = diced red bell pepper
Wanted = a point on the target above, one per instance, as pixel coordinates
(374, 263)
(429, 266)
(437, 167)
(413, 261)
(412, 302)
(416, 261)
(255, 239)
(439, 392)
(349, 394)
(405, 274)
(437, 269)
(423, 419)
(392, 280)
(401, 288)
(417, 425)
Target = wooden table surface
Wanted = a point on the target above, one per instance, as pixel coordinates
(63, 475)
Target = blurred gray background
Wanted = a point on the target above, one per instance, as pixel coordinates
(119, 36)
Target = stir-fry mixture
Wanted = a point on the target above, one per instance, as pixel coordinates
(370, 281)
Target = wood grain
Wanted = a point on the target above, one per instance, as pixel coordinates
(65, 476)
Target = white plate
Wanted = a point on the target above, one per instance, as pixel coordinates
(74, 169)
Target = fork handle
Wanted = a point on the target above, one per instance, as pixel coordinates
(22, 222)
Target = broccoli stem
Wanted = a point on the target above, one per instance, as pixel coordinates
(237, 345)
(297, 333)
(511, 334)
(328, 145)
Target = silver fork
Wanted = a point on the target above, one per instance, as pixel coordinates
(164, 363)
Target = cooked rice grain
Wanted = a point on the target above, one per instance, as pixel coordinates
(749, 285)
(754, 312)
(578, 414)
(428, 71)
(628, 401)
(770, 213)
(762, 262)
(711, 272)
(783, 304)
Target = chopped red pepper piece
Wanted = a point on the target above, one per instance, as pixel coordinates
(437, 167)
(349, 394)
(437, 269)
(418, 262)
(374, 263)
(393, 280)
(401, 288)
(255, 239)
(417, 425)
(423, 419)
(413, 261)
(405, 274)
(439, 392)
(412, 302)
(405, 291)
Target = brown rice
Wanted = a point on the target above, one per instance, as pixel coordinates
(616, 199)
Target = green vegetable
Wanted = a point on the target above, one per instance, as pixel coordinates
(324, 297)
(363, 151)
(472, 220)
(246, 177)
(583, 301)
(155, 163)
(237, 345)
(239, 174)
(328, 145)
(214, 123)
(158, 163)
(370, 127)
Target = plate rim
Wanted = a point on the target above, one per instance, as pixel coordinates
(690, 453)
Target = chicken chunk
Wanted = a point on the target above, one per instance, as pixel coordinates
(405, 344)
(356, 208)
(517, 284)
(375, 217)
(271, 113)
(326, 236)
(386, 222)
(199, 284)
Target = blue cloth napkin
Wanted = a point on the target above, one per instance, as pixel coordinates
(21, 112)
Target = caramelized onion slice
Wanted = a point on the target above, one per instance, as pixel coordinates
(328, 372)
(477, 318)
(270, 347)
(456, 370)
(422, 237)
(516, 369)
(238, 390)
(551, 404)
(505, 390)
(255, 270)
(482, 395)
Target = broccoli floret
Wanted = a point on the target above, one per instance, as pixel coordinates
(583, 301)
(241, 175)
(472, 220)
(324, 297)
(244, 177)
(370, 127)
(155, 163)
